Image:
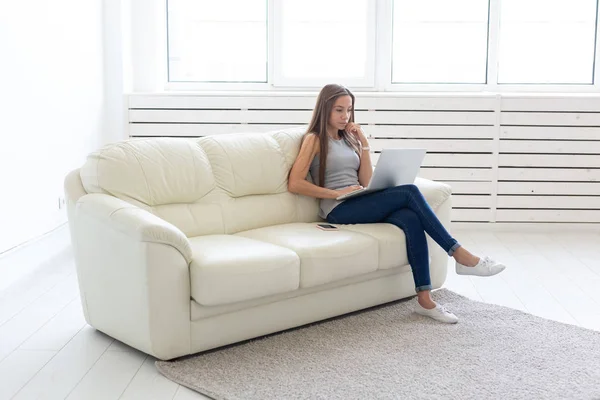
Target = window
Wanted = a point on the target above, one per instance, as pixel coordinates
(381, 45)
(320, 41)
(439, 41)
(217, 41)
(547, 41)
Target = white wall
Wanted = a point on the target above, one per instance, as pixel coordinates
(52, 109)
(146, 21)
(117, 67)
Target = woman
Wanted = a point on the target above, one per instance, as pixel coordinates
(336, 152)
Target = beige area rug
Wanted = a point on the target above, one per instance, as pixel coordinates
(389, 352)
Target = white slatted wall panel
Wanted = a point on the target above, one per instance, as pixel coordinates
(549, 159)
(503, 156)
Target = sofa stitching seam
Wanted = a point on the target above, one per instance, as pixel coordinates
(145, 177)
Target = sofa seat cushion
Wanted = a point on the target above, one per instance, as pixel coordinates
(325, 256)
(392, 243)
(226, 269)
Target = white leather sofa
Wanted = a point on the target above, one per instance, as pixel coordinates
(183, 245)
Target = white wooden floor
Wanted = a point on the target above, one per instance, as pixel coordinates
(47, 350)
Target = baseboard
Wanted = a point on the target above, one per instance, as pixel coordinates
(25, 258)
(534, 227)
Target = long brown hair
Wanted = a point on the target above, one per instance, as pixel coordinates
(320, 120)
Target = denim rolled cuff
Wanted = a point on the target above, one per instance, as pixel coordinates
(453, 249)
(424, 287)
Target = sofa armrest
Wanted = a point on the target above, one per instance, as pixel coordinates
(139, 224)
(133, 273)
(435, 193)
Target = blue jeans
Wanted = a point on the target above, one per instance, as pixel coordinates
(405, 207)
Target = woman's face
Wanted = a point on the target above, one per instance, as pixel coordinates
(340, 113)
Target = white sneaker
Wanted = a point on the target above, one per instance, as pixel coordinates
(439, 313)
(485, 267)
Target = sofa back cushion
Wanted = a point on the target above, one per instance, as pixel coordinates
(210, 185)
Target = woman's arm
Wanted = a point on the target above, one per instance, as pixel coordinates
(365, 171)
(297, 182)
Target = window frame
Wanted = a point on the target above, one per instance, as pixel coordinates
(149, 69)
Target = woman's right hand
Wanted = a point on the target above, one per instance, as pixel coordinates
(348, 189)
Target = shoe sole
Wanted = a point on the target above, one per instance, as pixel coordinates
(436, 319)
(471, 274)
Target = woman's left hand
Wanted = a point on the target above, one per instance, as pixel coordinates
(355, 129)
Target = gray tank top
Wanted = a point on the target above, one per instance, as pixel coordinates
(341, 171)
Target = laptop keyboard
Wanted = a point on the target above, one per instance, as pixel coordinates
(349, 193)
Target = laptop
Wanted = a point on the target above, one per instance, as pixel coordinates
(395, 167)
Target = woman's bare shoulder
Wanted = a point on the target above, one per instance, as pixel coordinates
(312, 141)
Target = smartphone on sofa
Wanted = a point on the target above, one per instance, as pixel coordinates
(327, 227)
